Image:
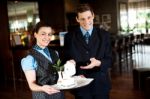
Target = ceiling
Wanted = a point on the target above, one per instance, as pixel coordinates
(136, 0)
(21, 8)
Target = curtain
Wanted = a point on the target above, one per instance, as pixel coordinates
(138, 17)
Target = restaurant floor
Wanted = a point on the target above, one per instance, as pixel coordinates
(122, 83)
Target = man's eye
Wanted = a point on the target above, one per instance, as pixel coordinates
(82, 19)
(89, 18)
(50, 34)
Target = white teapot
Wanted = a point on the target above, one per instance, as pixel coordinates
(69, 69)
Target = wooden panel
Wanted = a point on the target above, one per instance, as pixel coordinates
(4, 39)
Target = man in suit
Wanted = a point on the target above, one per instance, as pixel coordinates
(90, 48)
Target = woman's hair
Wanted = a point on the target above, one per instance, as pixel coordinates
(36, 29)
(82, 8)
(39, 25)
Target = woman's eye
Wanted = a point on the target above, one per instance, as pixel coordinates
(43, 34)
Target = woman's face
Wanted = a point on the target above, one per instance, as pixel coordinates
(43, 37)
(85, 19)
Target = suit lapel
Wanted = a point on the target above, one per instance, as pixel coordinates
(80, 38)
(95, 38)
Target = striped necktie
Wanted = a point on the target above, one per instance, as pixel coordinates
(46, 51)
(87, 36)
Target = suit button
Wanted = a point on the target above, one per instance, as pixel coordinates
(87, 52)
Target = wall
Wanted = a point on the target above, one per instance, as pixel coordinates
(52, 11)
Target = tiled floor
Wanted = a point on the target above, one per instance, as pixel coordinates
(122, 84)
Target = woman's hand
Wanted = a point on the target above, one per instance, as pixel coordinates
(94, 63)
(49, 90)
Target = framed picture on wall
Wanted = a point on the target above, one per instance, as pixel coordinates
(106, 21)
(106, 18)
(97, 19)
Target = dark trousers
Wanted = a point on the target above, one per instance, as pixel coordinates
(92, 97)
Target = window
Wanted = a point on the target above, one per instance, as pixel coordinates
(137, 18)
(123, 18)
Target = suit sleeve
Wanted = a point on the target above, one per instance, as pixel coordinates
(106, 60)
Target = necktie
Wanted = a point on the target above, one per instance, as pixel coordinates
(87, 36)
(46, 51)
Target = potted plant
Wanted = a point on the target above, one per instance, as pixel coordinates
(59, 67)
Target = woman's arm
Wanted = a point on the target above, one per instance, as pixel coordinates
(31, 79)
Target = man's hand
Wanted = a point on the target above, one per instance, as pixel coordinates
(94, 63)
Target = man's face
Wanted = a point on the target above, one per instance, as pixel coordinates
(85, 19)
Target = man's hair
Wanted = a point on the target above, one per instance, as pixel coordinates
(82, 8)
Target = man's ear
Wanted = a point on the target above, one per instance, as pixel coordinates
(93, 15)
(77, 19)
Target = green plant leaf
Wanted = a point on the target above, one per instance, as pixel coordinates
(58, 65)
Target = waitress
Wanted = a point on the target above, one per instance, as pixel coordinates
(38, 65)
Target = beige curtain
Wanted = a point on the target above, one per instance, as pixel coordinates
(138, 16)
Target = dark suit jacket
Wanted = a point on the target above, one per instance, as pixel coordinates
(99, 47)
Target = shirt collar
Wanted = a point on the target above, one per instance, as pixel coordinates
(38, 47)
(45, 50)
(84, 31)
